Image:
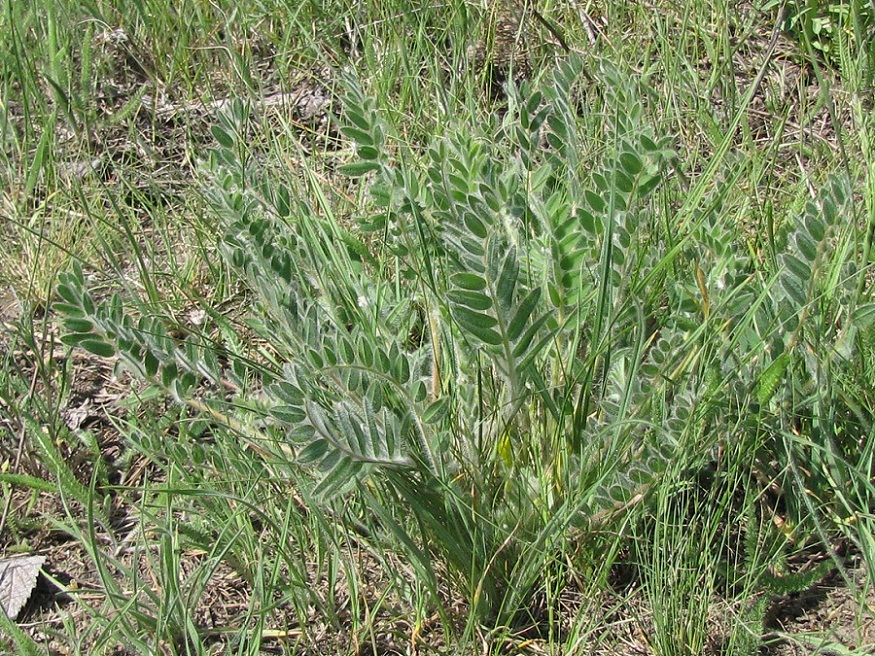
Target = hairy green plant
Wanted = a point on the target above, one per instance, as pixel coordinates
(488, 378)
(513, 340)
(519, 283)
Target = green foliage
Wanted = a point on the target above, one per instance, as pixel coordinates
(840, 32)
(23, 643)
(511, 342)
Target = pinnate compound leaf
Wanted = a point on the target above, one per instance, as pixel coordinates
(648, 184)
(807, 246)
(350, 427)
(150, 363)
(595, 201)
(358, 119)
(795, 291)
(368, 152)
(816, 228)
(647, 143)
(475, 225)
(169, 374)
(313, 452)
(622, 181)
(31, 482)
(17, 580)
(527, 353)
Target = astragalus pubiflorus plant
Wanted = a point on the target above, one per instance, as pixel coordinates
(510, 348)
